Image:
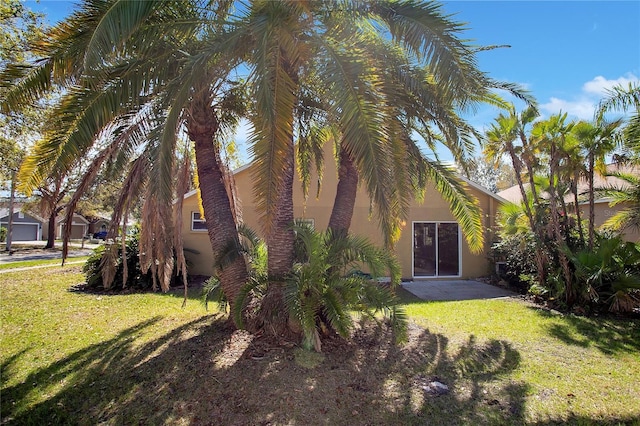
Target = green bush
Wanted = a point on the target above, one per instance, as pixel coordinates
(3, 234)
(135, 278)
(322, 290)
(517, 251)
(609, 275)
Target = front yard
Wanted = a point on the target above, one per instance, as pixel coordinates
(79, 358)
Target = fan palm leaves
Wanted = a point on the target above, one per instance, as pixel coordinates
(508, 135)
(597, 140)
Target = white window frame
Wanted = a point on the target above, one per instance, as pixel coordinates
(413, 258)
(199, 220)
(20, 215)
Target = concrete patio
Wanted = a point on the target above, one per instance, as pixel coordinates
(455, 290)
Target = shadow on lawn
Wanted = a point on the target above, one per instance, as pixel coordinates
(204, 373)
(609, 335)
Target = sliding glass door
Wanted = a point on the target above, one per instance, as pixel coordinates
(436, 249)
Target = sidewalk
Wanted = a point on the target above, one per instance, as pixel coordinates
(455, 290)
(41, 254)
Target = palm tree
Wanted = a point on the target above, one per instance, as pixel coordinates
(136, 67)
(549, 135)
(622, 99)
(332, 53)
(502, 138)
(598, 140)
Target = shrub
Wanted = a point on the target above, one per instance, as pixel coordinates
(609, 275)
(3, 234)
(518, 254)
(322, 290)
(135, 278)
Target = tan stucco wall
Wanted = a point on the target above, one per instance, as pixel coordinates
(603, 212)
(363, 223)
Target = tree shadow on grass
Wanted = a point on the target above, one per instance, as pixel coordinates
(609, 335)
(205, 373)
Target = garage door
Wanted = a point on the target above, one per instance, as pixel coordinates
(24, 232)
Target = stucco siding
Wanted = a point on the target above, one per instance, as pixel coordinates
(434, 209)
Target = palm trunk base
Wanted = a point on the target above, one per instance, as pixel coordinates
(270, 317)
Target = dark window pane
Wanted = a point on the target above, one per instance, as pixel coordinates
(424, 249)
(448, 250)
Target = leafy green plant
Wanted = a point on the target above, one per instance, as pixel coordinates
(320, 292)
(3, 233)
(609, 274)
(255, 252)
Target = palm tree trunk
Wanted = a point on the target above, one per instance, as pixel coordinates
(574, 190)
(274, 316)
(539, 254)
(9, 237)
(345, 200)
(592, 214)
(555, 225)
(221, 225)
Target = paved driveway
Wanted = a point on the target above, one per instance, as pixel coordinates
(455, 290)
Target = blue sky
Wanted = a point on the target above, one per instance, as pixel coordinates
(566, 53)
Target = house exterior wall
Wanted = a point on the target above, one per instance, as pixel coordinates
(603, 212)
(363, 223)
(26, 228)
(98, 225)
(79, 228)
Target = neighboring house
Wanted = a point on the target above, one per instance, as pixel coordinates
(99, 224)
(431, 245)
(602, 210)
(79, 227)
(26, 226)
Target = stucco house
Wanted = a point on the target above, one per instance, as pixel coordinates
(431, 245)
(602, 210)
(26, 226)
(79, 227)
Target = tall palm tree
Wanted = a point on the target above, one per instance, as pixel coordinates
(376, 91)
(342, 55)
(138, 67)
(598, 140)
(549, 135)
(508, 135)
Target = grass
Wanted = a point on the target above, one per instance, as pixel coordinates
(45, 262)
(76, 358)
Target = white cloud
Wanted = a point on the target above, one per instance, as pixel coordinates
(582, 109)
(583, 105)
(599, 85)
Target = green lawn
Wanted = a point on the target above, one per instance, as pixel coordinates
(75, 358)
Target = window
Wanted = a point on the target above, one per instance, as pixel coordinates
(20, 215)
(197, 222)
